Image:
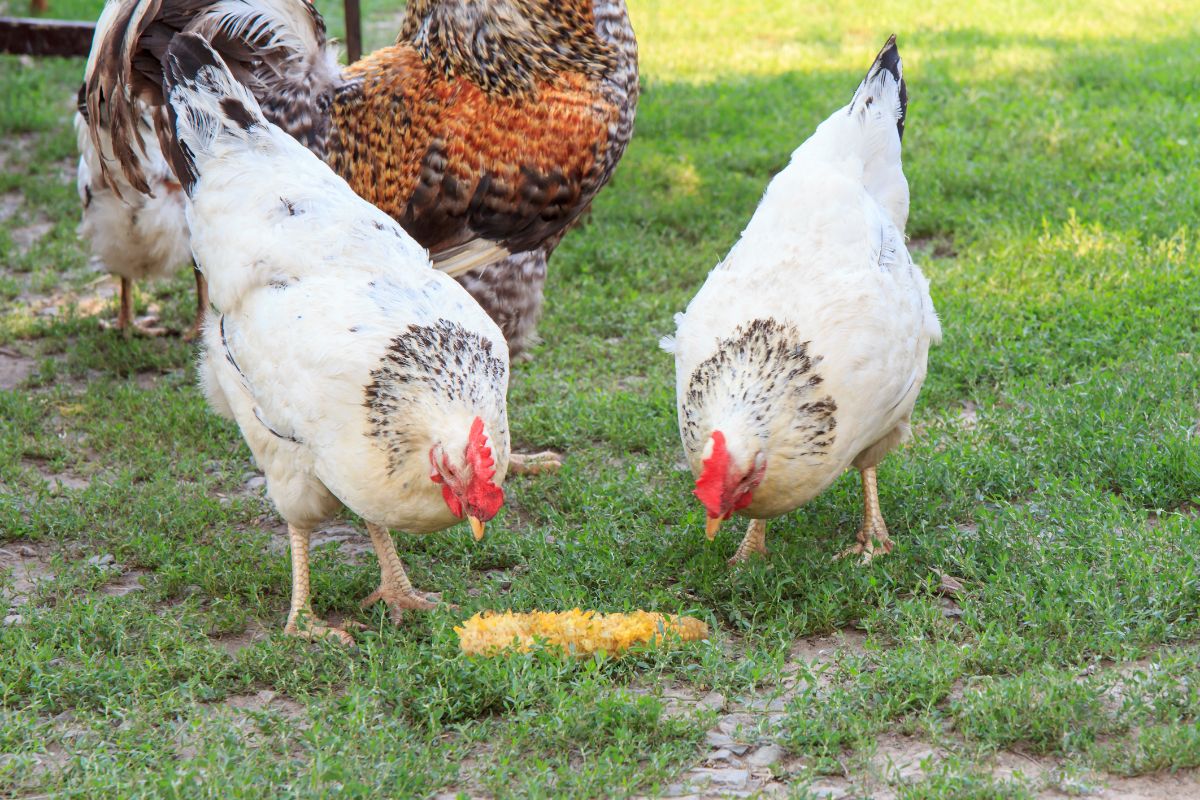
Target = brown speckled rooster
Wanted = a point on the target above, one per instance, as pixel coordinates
(485, 130)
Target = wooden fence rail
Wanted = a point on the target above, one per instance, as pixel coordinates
(55, 37)
(45, 37)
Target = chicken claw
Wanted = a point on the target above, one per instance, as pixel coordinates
(301, 621)
(872, 536)
(313, 628)
(754, 543)
(399, 601)
(394, 587)
(534, 463)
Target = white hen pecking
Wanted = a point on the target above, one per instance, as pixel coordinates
(804, 351)
(357, 373)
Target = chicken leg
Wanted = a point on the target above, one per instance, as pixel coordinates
(301, 621)
(125, 321)
(201, 305)
(394, 587)
(534, 463)
(753, 543)
(872, 534)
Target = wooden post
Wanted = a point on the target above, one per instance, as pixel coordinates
(45, 37)
(353, 31)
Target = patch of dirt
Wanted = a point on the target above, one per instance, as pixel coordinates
(742, 759)
(90, 301)
(932, 247)
(968, 416)
(241, 710)
(1183, 785)
(14, 369)
(57, 480)
(15, 149)
(1186, 509)
(494, 582)
(128, 581)
(9, 203)
(26, 236)
(68, 170)
(234, 643)
(263, 701)
(353, 545)
(29, 564)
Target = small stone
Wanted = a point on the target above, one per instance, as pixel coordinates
(101, 560)
(732, 723)
(717, 739)
(718, 755)
(713, 701)
(949, 585)
(257, 482)
(729, 778)
(13, 619)
(765, 756)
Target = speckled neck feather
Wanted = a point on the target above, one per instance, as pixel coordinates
(446, 360)
(760, 372)
(506, 46)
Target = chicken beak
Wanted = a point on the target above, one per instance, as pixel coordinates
(711, 527)
(476, 527)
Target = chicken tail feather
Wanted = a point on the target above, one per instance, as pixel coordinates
(884, 85)
(278, 48)
(878, 113)
(206, 104)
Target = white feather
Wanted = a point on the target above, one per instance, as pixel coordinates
(824, 253)
(133, 235)
(312, 285)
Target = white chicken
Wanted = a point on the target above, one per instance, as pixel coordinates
(804, 351)
(357, 373)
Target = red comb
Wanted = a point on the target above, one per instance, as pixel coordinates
(710, 486)
(484, 498)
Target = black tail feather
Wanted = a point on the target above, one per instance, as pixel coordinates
(889, 59)
(187, 56)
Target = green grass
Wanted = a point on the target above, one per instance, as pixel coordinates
(1054, 161)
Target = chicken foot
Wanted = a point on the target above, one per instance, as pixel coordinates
(301, 621)
(534, 463)
(753, 543)
(872, 537)
(394, 587)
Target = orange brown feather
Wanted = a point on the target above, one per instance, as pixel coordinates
(453, 163)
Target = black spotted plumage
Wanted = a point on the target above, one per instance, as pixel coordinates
(445, 359)
(765, 370)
